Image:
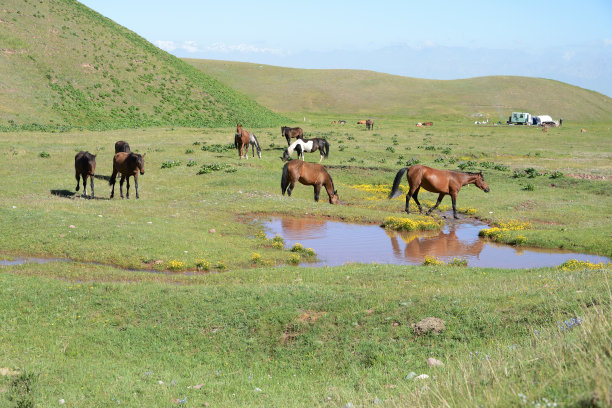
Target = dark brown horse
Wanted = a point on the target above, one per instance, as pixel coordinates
(122, 146)
(289, 133)
(442, 182)
(369, 124)
(85, 165)
(128, 164)
(309, 174)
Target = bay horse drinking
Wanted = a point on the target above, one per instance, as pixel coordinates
(244, 138)
(442, 182)
(122, 146)
(309, 146)
(289, 133)
(309, 174)
(128, 164)
(84, 166)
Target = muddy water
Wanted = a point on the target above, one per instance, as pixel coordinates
(337, 243)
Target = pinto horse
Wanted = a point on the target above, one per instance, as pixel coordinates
(242, 139)
(307, 145)
(85, 165)
(122, 146)
(309, 174)
(128, 164)
(289, 133)
(442, 182)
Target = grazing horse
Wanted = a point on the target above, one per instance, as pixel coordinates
(309, 146)
(361, 122)
(309, 174)
(128, 164)
(244, 138)
(289, 133)
(369, 124)
(122, 146)
(85, 165)
(437, 181)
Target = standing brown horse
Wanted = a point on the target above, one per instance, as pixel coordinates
(242, 139)
(442, 182)
(128, 164)
(85, 165)
(289, 133)
(369, 124)
(122, 146)
(309, 174)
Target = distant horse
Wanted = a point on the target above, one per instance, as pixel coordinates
(85, 165)
(431, 123)
(361, 122)
(128, 164)
(369, 124)
(244, 138)
(289, 133)
(442, 182)
(309, 174)
(122, 146)
(309, 146)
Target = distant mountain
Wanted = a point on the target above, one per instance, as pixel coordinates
(371, 93)
(63, 64)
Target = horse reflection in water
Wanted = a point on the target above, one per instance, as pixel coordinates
(303, 228)
(433, 243)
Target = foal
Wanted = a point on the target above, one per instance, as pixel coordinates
(128, 164)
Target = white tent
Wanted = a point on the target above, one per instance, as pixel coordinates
(538, 120)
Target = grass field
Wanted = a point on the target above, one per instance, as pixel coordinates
(255, 331)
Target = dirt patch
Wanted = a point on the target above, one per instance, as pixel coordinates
(292, 331)
(585, 176)
(525, 205)
(5, 371)
(429, 324)
(311, 316)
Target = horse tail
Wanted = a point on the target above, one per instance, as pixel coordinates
(396, 183)
(325, 148)
(285, 178)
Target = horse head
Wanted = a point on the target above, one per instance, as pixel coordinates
(239, 129)
(481, 183)
(334, 199)
(286, 156)
(140, 161)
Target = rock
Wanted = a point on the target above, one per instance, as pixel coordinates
(421, 377)
(428, 324)
(410, 375)
(432, 362)
(61, 401)
(212, 231)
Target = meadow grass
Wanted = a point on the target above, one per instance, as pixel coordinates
(258, 332)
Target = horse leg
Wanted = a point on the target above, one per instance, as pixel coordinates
(121, 185)
(415, 197)
(127, 191)
(112, 181)
(136, 184)
(85, 185)
(78, 177)
(440, 197)
(317, 190)
(290, 188)
(454, 200)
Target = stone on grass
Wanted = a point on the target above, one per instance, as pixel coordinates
(432, 362)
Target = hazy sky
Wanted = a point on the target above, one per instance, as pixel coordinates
(568, 41)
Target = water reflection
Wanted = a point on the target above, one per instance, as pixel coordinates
(337, 243)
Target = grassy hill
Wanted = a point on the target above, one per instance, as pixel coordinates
(63, 64)
(371, 93)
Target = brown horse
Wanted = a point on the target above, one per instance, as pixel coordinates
(369, 124)
(122, 146)
(242, 139)
(85, 165)
(289, 133)
(442, 182)
(309, 174)
(128, 164)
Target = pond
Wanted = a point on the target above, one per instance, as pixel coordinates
(337, 243)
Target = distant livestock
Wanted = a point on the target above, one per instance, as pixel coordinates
(290, 132)
(369, 124)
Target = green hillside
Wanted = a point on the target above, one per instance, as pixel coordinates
(371, 93)
(63, 64)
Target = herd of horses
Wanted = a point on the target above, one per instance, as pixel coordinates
(442, 182)
(125, 162)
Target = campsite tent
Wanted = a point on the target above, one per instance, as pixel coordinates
(538, 120)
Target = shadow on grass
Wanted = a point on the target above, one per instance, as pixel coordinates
(72, 194)
(99, 177)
